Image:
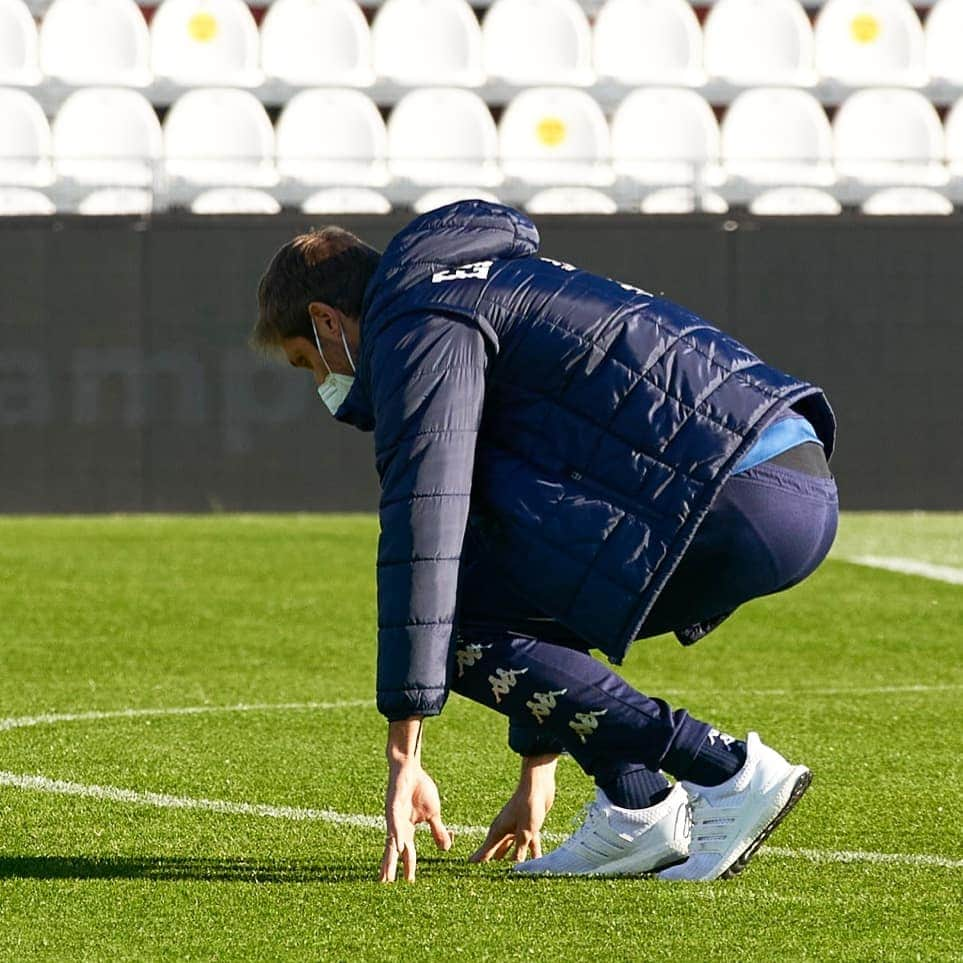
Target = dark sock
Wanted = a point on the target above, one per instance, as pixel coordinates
(719, 758)
(636, 788)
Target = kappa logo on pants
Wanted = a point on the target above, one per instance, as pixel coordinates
(469, 656)
(542, 703)
(585, 723)
(503, 680)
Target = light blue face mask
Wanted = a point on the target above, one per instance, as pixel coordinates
(335, 387)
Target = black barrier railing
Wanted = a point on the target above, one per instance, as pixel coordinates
(126, 384)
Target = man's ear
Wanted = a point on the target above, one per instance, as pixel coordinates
(326, 319)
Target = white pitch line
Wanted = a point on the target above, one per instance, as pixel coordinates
(359, 821)
(53, 718)
(908, 566)
(859, 856)
(841, 690)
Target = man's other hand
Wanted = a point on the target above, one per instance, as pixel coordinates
(516, 831)
(412, 798)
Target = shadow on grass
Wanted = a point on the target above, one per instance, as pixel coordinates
(223, 870)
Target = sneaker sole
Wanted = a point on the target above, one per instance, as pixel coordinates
(609, 871)
(739, 863)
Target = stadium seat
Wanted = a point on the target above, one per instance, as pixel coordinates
(25, 144)
(332, 136)
(196, 42)
(442, 196)
(308, 42)
(788, 201)
(234, 200)
(953, 126)
(19, 47)
(24, 202)
(776, 135)
(108, 136)
(117, 201)
(219, 136)
(887, 136)
(686, 148)
(759, 42)
(943, 33)
(907, 201)
(537, 42)
(442, 135)
(571, 200)
(346, 200)
(682, 200)
(428, 42)
(95, 42)
(555, 135)
(648, 42)
(870, 42)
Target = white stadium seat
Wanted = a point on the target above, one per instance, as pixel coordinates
(682, 200)
(555, 135)
(116, 201)
(888, 136)
(332, 136)
(25, 144)
(794, 201)
(953, 126)
(24, 202)
(442, 135)
(308, 42)
(537, 42)
(219, 136)
(346, 200)
(195, 42)
(944, 41)
(759, 42)
(234, 200)
(666, 135)
(428, 42)
(442, 196)
(571, 200)
(19, 48)
(108, 136)
(776, 135)
(648, 41)
(904, 201)
(95, 42)
(870, 42)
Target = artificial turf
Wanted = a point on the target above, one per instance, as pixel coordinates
(857, 672)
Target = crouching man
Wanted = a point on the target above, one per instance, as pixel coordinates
(567, 463)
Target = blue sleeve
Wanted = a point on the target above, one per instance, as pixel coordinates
(428, 388)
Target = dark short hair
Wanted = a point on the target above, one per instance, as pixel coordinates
(327, 264)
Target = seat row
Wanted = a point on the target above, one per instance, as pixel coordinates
(519, 42)
(658, 136)
(779, 201)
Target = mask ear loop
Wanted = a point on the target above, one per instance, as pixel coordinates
(347, 350)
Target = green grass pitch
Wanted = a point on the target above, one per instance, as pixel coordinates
(857, 672)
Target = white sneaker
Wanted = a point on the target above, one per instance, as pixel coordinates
(732, 820)
(620, 842)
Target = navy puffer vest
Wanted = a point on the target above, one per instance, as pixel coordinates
(584, 424)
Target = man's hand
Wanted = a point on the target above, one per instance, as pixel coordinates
(412, 798)
(517, 828)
